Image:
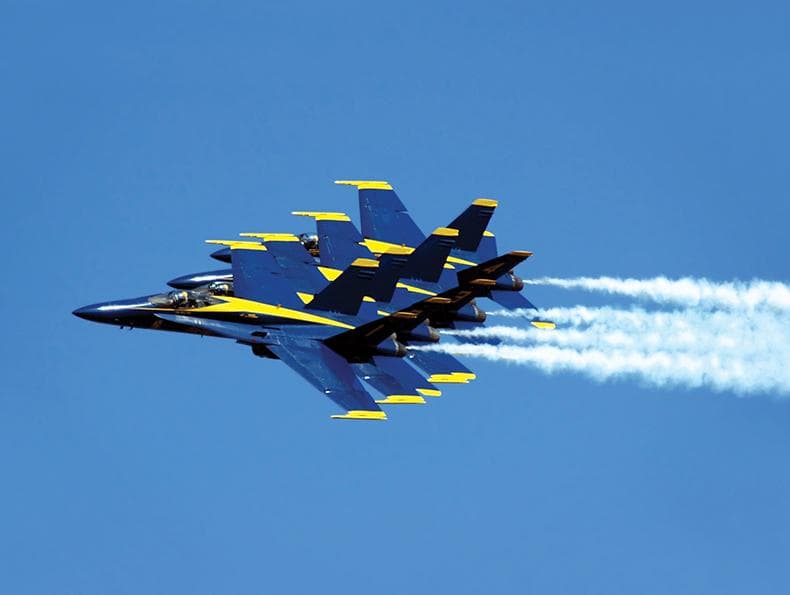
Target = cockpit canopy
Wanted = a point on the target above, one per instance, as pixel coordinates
(193, 298)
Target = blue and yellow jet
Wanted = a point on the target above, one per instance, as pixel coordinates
(335, 326)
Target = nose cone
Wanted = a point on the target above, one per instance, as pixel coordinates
(121, 312)
(198, 279)
(223, 255)
(94, 313)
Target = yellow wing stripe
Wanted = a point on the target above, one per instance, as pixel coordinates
(234, 304)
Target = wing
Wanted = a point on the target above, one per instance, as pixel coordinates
(472, 282)
(329, 373)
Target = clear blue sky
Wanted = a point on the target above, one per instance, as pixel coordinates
(619, 139)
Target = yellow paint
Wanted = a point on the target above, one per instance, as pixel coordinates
(271, 237)
(367, 263)
(485, 202)
(379, 247)
(452, 378)
(524, 253)
(323, 216)
(488, 234)
(239, 305)
(362, 414)
(305, 297)
(329, 273)
(429, 392)
(543, 324)
(463, 261)
(238, 244)
(366, 184)
(446, 232)
(402, 400)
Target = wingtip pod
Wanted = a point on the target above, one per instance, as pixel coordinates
(402, 400)
(362, 414)
(366, 184)
(521, 253)
(485, 202)
(323, 216)
(543, 324)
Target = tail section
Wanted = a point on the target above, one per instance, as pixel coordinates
(383, 215)
(338, 238)
(429, 258)
(256, 276)
(472, 224)
(345, 294)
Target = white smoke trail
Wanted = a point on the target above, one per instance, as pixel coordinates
(687, 292)
(658, 369)
(745, 353)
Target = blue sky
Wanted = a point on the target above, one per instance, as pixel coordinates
(620, 139)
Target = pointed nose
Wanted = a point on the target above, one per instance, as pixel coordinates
(223, 255)
(88, 312)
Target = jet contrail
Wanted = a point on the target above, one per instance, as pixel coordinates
(687, 330)
(686, 292)
(743, 352)
(658, 368)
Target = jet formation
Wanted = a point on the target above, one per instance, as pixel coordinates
(344, 307)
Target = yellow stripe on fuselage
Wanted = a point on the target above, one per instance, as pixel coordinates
(242, 306)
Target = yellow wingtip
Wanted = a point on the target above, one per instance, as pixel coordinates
(429, 392)
(362, 414)
(543, 324)
(452, 378)
(402, 400)
(485, 202)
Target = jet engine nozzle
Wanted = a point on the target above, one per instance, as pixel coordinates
(422, 334)
(391, 346)
(509, 282)
(470, 313)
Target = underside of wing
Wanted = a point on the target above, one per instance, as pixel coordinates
(329, 373)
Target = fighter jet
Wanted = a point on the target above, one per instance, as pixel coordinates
(333, 337)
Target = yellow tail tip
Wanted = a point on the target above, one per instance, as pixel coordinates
(366, 184)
